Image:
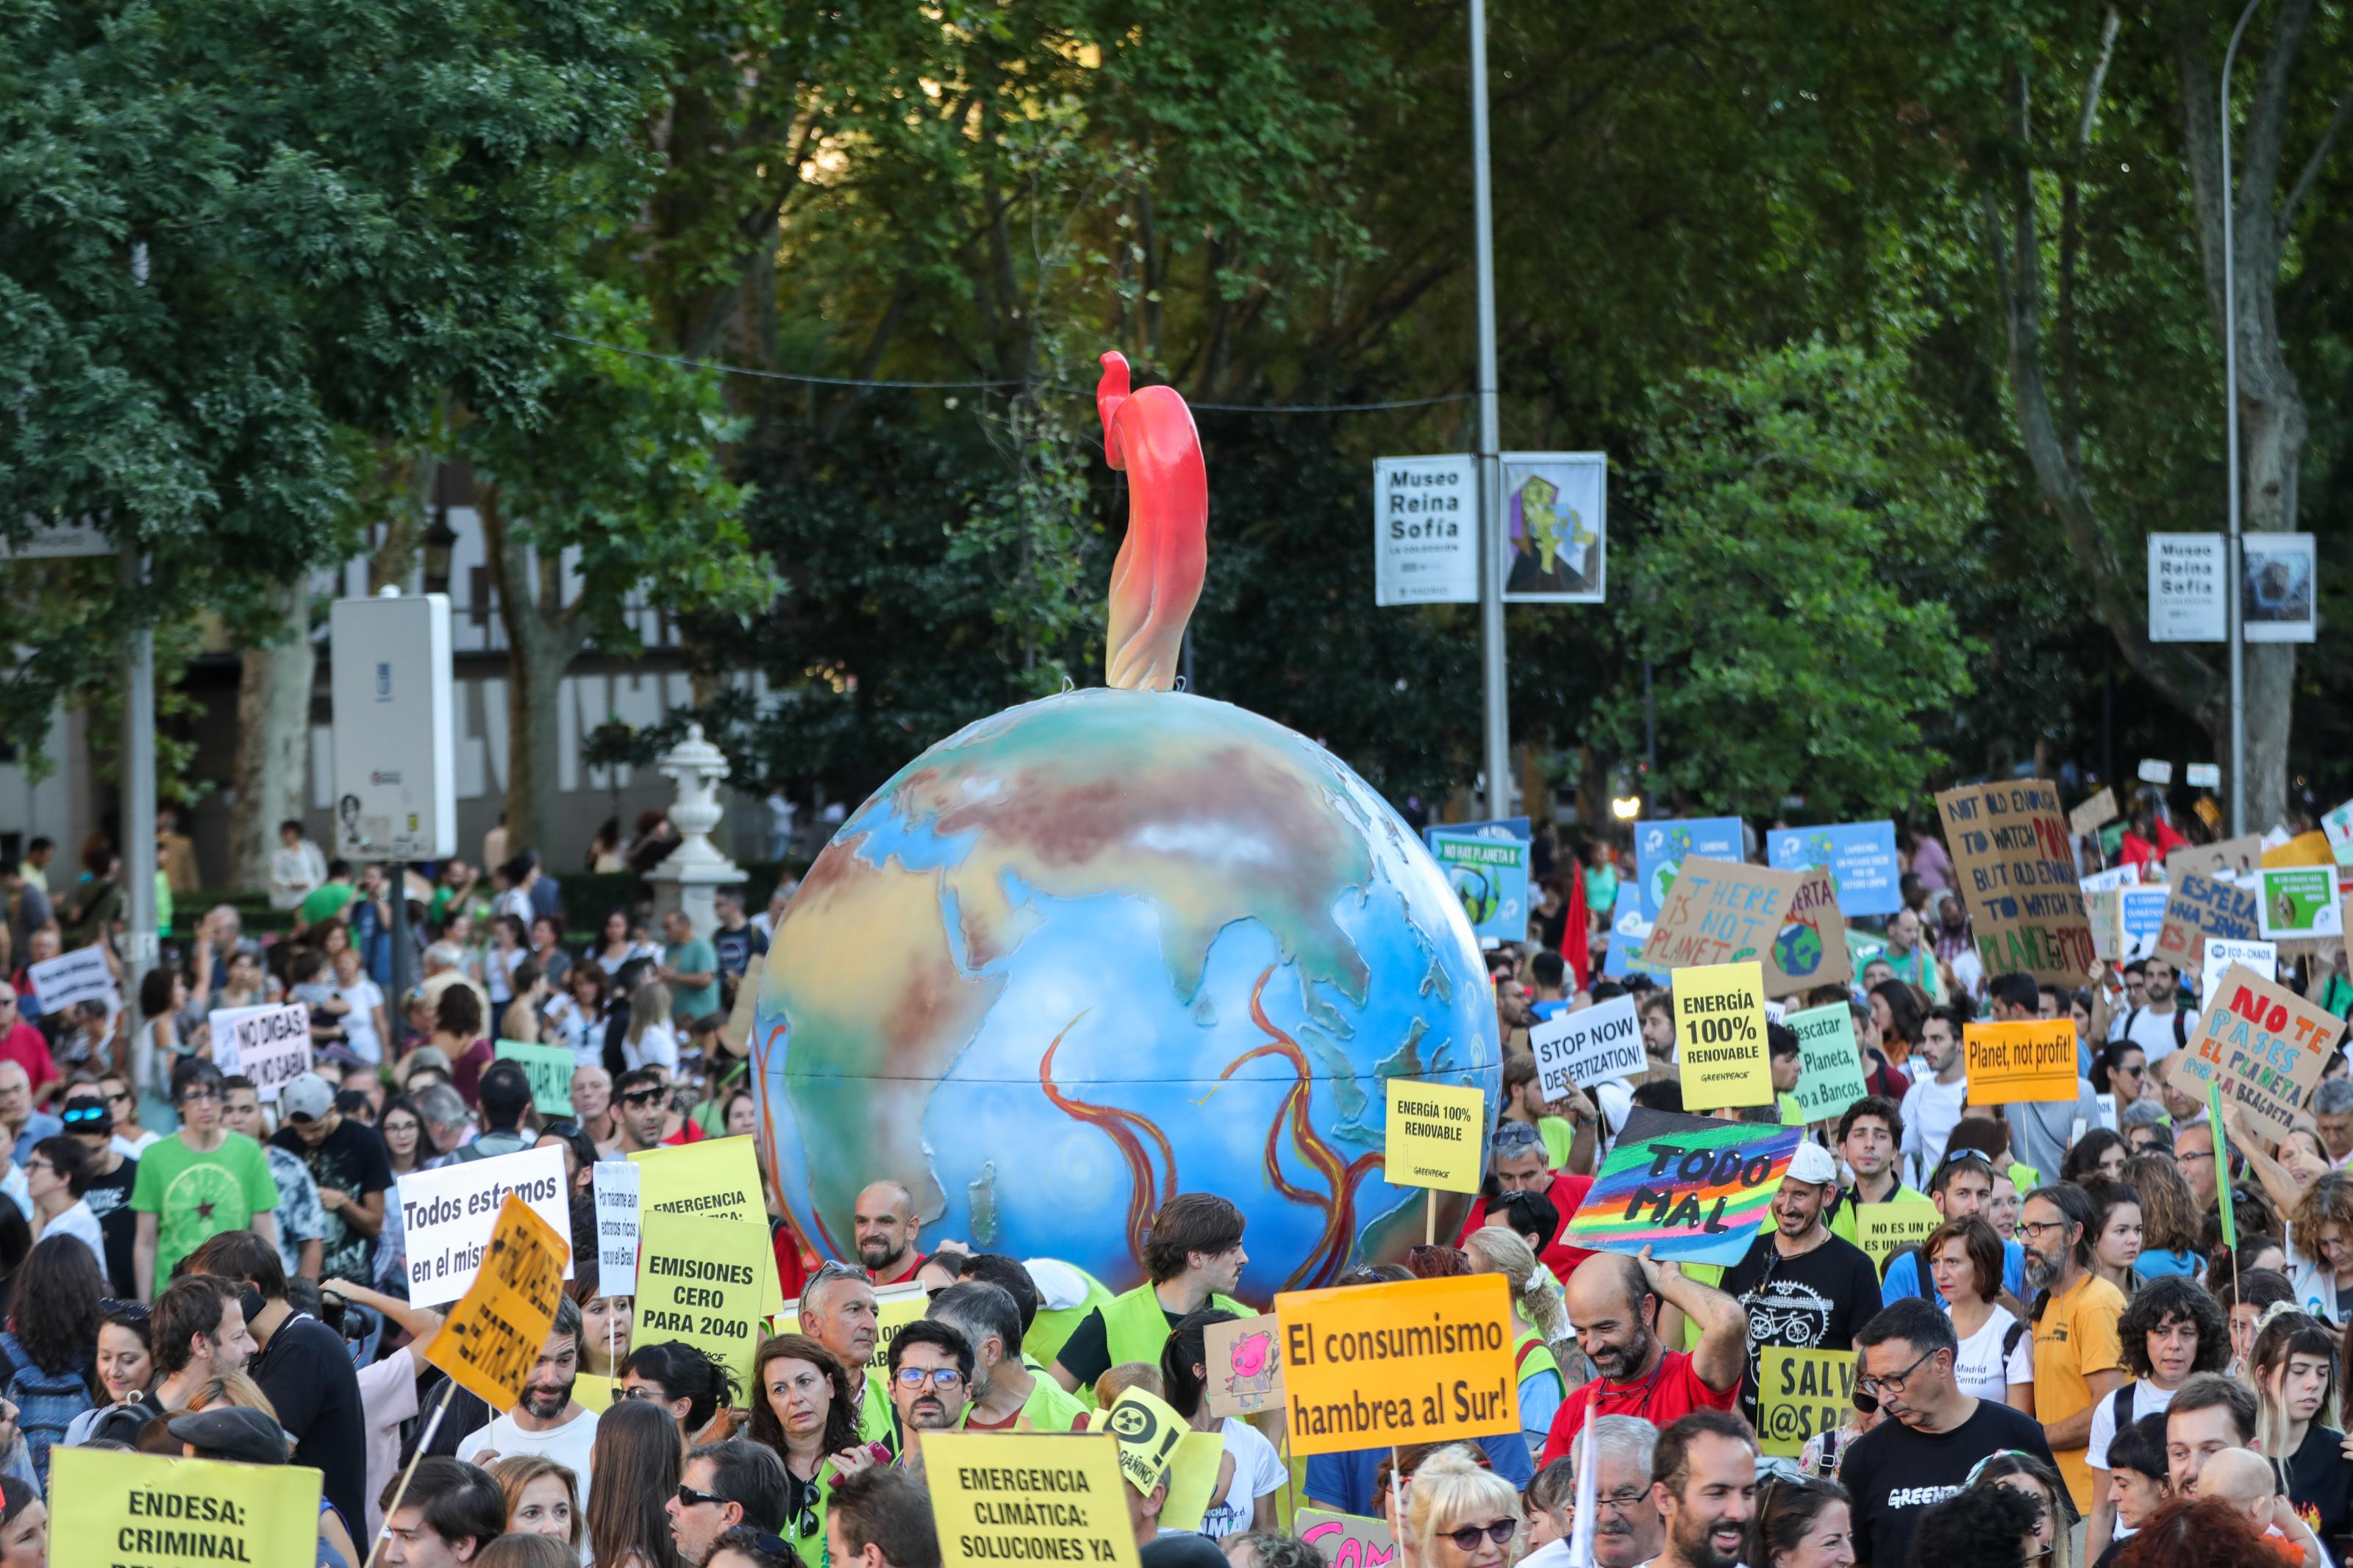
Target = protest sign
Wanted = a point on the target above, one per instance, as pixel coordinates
(2016, 865)
(1147, 1430)
(1860, 857)
(159, 1512)
(2100, 910)
(1346, 1540)
(1245, 1366)
(549, 1068)
(699, 1281)
(2198, 910)
(1576, 1050)
(2093, 814)
(2304, 849)
(2030, 1061)
(2337, 827)
(2263, 957)
(1486, 864)
(2140, 914)
(1880, 1228)
(1721, 911)
(895, 1306)
(2113, 880)
(1809, 948)
(81, 975)
(614, 1185)
(1660, 850)
(718, 1178)
(1829, 1077)
(448, 1216)
(2229, 860)
(1691, 1188)
(1799, 1394)
(492, 1337)
(1437, 1135)
(2298, 903)
(2264, 1045)
(1192, 1478)
(1003, 1497)
(1720, 1036)
(269, 1045)
(1414, 1361)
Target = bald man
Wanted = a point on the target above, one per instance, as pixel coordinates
(885, 1225)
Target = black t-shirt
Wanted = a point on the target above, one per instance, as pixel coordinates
(351, 1159)
(306, 1370)
(1814, 1301)
(2320, 1483)
(1893, 1472)
(735, 948)
(109, 1198)
(1086, 1355)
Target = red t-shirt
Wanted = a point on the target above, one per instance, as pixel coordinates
(913, 1264)
(25, 1047)
(1566, 1194)
(689, 1131)
(1671, 1392)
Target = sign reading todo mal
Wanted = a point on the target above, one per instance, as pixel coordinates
(1691, 1188)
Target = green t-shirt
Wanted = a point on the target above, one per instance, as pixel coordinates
(1792, 1113)
(1559, 1132)
(693, 957)
(195, 1196)
(326, 901)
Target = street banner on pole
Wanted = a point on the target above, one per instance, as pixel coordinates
(1554, 531)
(1426, 531)
(2188, 579)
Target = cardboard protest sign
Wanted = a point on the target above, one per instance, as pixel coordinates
(1414, 1361)
(2229, 859)
(1192, 1479)
(81, 975)
(1860, 857)
(269, 1045)
(2263, 957)
(1799, 1394)
(2298, 903)
(448, 1216)
(1486, 864)
(2140, 915)
(1829, 1077)
(1147, 1430)
(1880, 1228)
(1437, 1135)
(492, 1337)
(2032, 1061)
(2093, 814)
(1346, 1540)
(2015, 862)
(1003, 1497)
(698, 1281)
(159, 1512)
(2100, 910)
(549, 1068)
(1576, 1050)
(1691, 1188)
(1245, 1366)
(718, 1178)
(1720, 1036)
(2264, 1045)
(2198, 909)
(2115, 878)
(614, 1187)
(2304, 849)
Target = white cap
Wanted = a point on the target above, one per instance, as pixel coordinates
(1812, 1162)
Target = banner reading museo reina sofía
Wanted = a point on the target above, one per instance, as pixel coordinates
(1426, 531)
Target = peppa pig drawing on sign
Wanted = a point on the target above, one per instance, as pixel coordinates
(1246, 1374)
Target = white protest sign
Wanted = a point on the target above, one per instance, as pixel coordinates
(616, 1186)
(81, 975)
(448, 1216)
(2109, 880)
(2263, 957)
(269, 1045)
(1601, 1043)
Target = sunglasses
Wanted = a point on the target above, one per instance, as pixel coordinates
(689, 1497)
(641, 1097)
(1467, 1538)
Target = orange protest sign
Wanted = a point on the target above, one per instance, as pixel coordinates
(2008, 1063)
(491, 1337)
(1414, 1362)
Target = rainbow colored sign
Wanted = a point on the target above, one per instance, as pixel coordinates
(1690, 1188)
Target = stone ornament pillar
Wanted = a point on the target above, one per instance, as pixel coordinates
(692, 872)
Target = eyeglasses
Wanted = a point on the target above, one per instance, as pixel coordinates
(1625, 1499)
(689, 1497)
(1501, 1533)
(641, 1391)
(1875, 1386)
(2037, 1226)
(121, 1097)
(32, 1165)
(2191, 1156)
(188, 1095)
(937, 1377)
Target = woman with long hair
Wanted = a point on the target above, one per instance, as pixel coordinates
(2053, 1544)
(2320, 1245)
(802, 1409)
(1896, 1014)
(126, 1363)
(2114, 1234)
(651, 1041)
(1799, 1524)
(403, 1132)
(605, 1321)
(52, 1343)
(2168, 1219)
(575, 1019)
(1540, 1330)
(2098, 1153)
(613, 946)
(543, 1498)
(509, 945)
(159, 1045)
(1255, 1472)
(636, 1462)
(1965, 1259)
(2294, 1369)
(696, 1388)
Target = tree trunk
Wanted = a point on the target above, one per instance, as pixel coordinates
(541, 644)
(273, 740)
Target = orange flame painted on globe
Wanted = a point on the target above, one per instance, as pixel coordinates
(1156, 579)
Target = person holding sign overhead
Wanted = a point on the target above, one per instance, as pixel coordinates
(1802, 1287)
(1615, 1302)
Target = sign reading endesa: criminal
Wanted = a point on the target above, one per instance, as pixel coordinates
(1413, 1361)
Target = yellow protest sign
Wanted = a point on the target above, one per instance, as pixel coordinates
(2304, 849)
(594, 1392)
(1720, 1036)
(1001, 1497)
(1148, 1430)
(1192, 1479)
(2029, 1061)
(718, 1178)
(161, 1512)
(1799, 1394)
(491, 1337)
(893, 1311)
(699, 1281)
(1880, 1228)
(1414, 1361)
(1435, 1133)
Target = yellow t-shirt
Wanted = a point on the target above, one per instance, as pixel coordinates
(2075, 1341)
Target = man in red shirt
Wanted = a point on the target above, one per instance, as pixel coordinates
(1517, 1157)
(22, 1044)
(1616, 1302)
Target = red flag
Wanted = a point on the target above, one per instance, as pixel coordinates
(1576, 941)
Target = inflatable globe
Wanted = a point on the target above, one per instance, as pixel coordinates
(1117, 944)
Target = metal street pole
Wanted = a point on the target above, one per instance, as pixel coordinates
(138, 780)
(1498, 747)
(2234, 588)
